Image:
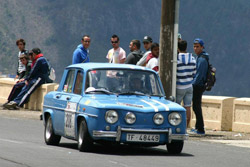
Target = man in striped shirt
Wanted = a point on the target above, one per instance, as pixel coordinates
(186, 69)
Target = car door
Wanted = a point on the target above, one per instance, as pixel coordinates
(61, 98)
(67, 102)
(72, 105)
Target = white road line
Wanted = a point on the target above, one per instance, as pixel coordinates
(119, 164)
(11, 141)
(113, 162)
(52, 148)
(238, 143)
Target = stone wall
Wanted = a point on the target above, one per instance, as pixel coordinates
(219, 112)
(36, 99)
(241, 115)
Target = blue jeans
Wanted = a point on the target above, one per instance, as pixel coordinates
(27, 90)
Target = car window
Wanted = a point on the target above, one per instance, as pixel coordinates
(123, 81)
(78, 83)
(68, 85)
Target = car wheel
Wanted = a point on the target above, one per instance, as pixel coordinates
(85, 142)
(49, 136)
(175, 147)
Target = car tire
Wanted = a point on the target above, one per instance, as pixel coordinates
(84, 140)
(49, 136)
(175, 147)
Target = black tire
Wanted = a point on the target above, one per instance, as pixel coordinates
(49, 136)
(84, 140)
(175, 147)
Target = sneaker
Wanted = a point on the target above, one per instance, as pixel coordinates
(196, 132)
(11, 105)
(4, 105)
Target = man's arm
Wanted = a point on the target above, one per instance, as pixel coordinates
(129, 59)
(143, 60)
(122, 57)
(34, 70)
(201, 72)
(75, 57)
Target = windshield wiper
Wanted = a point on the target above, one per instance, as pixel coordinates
(157, 95)
(99, 90)
(133, 93)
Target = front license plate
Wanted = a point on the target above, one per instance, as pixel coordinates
(143, 137)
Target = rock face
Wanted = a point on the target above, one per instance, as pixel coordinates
(56, 26)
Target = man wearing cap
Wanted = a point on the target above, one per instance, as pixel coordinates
(179, 37)
(199, 84)
(147, 42)
(37, 76)
(81, 54)
(116, 54)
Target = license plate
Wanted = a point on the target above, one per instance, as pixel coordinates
(143, 137)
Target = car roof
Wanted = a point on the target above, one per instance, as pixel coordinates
(90, 66)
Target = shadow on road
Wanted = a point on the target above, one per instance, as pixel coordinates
(126, 150)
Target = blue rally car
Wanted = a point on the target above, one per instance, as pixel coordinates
(117, 103)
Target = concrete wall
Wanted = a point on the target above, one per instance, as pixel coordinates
(217, 112)
(241, 115)
(36, 99)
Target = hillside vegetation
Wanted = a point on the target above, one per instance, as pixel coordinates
(56, 26)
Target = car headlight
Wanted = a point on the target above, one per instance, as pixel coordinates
(111, 116)
(174, 118)
(158, 119)
(130, 118)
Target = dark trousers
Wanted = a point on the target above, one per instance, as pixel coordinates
(16, 90)
(197, 96)
(27, 90)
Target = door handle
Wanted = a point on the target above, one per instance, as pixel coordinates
(68, 98)
(58, 96)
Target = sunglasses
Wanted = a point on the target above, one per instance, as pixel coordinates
(86, 41)
(114, 41)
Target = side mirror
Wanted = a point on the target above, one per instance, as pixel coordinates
(171, 98)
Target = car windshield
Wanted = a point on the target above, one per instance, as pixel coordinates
(123, 82)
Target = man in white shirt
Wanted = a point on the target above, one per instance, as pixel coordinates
(116, 54)
(20, 43)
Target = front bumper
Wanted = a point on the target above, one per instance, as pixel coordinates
(117, 134)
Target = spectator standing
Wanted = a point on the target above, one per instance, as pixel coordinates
(147, 42)
(186, 69)
(21, 82)
(136, 54)
(116, 54)
(199, 84)
(152, 59)
(20, 43)
(179, 37)
(37, 76)
(81, 54)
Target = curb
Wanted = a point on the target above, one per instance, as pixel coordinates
(21, 113)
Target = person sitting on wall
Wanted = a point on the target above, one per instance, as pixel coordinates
(25, 60)
(37, 76)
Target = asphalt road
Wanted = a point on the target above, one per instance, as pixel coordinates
(22, 145)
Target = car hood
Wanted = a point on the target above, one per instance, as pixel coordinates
(133, 103)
